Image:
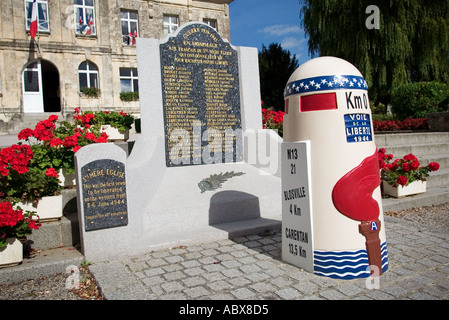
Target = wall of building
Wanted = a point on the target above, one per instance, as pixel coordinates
(65, 50)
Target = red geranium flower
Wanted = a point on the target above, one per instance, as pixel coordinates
(55, 142)
(434, 166)
(75, 149)
(51, 172)
(414, 165)
(25, 134)
(90, 136)
(8, 216)
(406, 167)
(70, 141)
(410, 157)
(103, 138)
(402, 180)
(16, 157)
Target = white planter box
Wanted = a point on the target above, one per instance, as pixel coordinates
(48, 208)
(398, 192)
(12, 254)
(114, 134)
(67, 180)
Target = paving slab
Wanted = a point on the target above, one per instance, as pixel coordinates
(247, 268)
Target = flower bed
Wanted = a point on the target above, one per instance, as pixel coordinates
(397, 125)
(273, 120)
(29, 169)
(53, 144)
(119, 120)
(15, 223)
(403, 171)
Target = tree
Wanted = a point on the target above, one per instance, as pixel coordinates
(276, 65)
(411, 44)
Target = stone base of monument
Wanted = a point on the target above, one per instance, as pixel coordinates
(165, 207)
(244, 204)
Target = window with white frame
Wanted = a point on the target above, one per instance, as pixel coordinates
(211, 23)
(129, 27)
(43, 22)
(129, 81)
(88, 75)
(85, 17)
(171, 23)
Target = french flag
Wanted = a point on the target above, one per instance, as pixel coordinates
(33, 24)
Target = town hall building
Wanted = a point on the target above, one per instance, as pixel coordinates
(84, 52)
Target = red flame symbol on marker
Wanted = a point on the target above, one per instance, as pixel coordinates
(353, 197)
(353, 193)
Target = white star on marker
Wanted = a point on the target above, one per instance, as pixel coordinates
(323, 81)
(351, 84)
(301, 84)
(318, 86)
(312, 83)
(306, 87)
(330, 84)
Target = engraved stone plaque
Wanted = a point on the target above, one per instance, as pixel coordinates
(103, 185)
(201, 98)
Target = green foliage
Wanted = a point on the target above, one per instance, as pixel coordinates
(416, 100)
(411, 45)
(91, 92)
(38, 184)
(383, 117)
(129, 96)
(118, 120)
(276, 65)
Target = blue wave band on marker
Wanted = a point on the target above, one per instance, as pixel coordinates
(346, 264)
(322, 83)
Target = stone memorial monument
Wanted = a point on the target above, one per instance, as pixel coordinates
(102, 199)
(202, 168)
(333, 223)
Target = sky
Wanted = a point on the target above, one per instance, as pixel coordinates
(257, 22)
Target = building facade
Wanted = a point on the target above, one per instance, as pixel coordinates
(84, 53)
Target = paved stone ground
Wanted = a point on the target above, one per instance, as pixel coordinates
(250, 268)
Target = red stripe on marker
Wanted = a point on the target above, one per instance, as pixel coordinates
(317, 102)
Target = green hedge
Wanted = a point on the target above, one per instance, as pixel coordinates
(416, 100)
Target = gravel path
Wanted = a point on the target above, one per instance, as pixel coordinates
(436, 216)
(53, 287)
